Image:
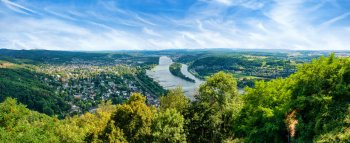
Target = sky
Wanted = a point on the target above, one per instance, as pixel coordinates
(95, 25)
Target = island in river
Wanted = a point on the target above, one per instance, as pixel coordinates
(163, 76)
(175, 69)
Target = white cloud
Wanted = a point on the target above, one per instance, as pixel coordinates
(150, 32)
(286, 25)
(335, 19)
(57, 35)
(225, 2)
(18, 8)
(252, 4)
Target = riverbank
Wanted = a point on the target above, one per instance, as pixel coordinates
(175, 69)
(163, 76)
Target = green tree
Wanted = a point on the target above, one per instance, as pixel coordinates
(134, 119)
(309, 106)
(175, 99)
(111, 134)
(262, 116)
(218, 90)
(321, 97)
(168, 127)
(211, 116)
(199, 125)
(86, 127)
(19, 124)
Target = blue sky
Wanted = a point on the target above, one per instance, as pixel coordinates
(174, 24)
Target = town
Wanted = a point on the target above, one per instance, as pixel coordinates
(85, 86)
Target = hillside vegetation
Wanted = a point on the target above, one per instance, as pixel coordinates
(311, 105)
(69, 83)
(246, 66)
(24, 84)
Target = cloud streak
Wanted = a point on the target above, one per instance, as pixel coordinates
(247, 24)
(18, 8)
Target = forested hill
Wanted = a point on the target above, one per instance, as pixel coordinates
(68, 83)
(24, 84)
(312, 105)
(39, 57)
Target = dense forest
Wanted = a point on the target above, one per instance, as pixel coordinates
(311, 105)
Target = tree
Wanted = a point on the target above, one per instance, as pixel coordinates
(86, 127)
(321, 95)
(168, 127)
(111, 134)
(175, 99)
(218, 90)
(262, 116)
(19, 124)
(199, 125)
(134, 119)
(210, 117)
(309, 106)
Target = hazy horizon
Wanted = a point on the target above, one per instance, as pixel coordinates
(99, 25)
(184, 49)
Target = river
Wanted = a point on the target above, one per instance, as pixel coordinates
(162, 75)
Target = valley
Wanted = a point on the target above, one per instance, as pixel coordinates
(163, 76)
(92, 92)
(81, 80)
(174, 71)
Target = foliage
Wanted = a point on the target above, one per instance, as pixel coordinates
(308, 106)
(262, 116)
(87, 126)
(134, 119)
(218, 90)
(211, 116)
(19, 124)
(168, 126)
(111, 133)
(175, 99)
(24, 84)
(321, 96)
(339, 134)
